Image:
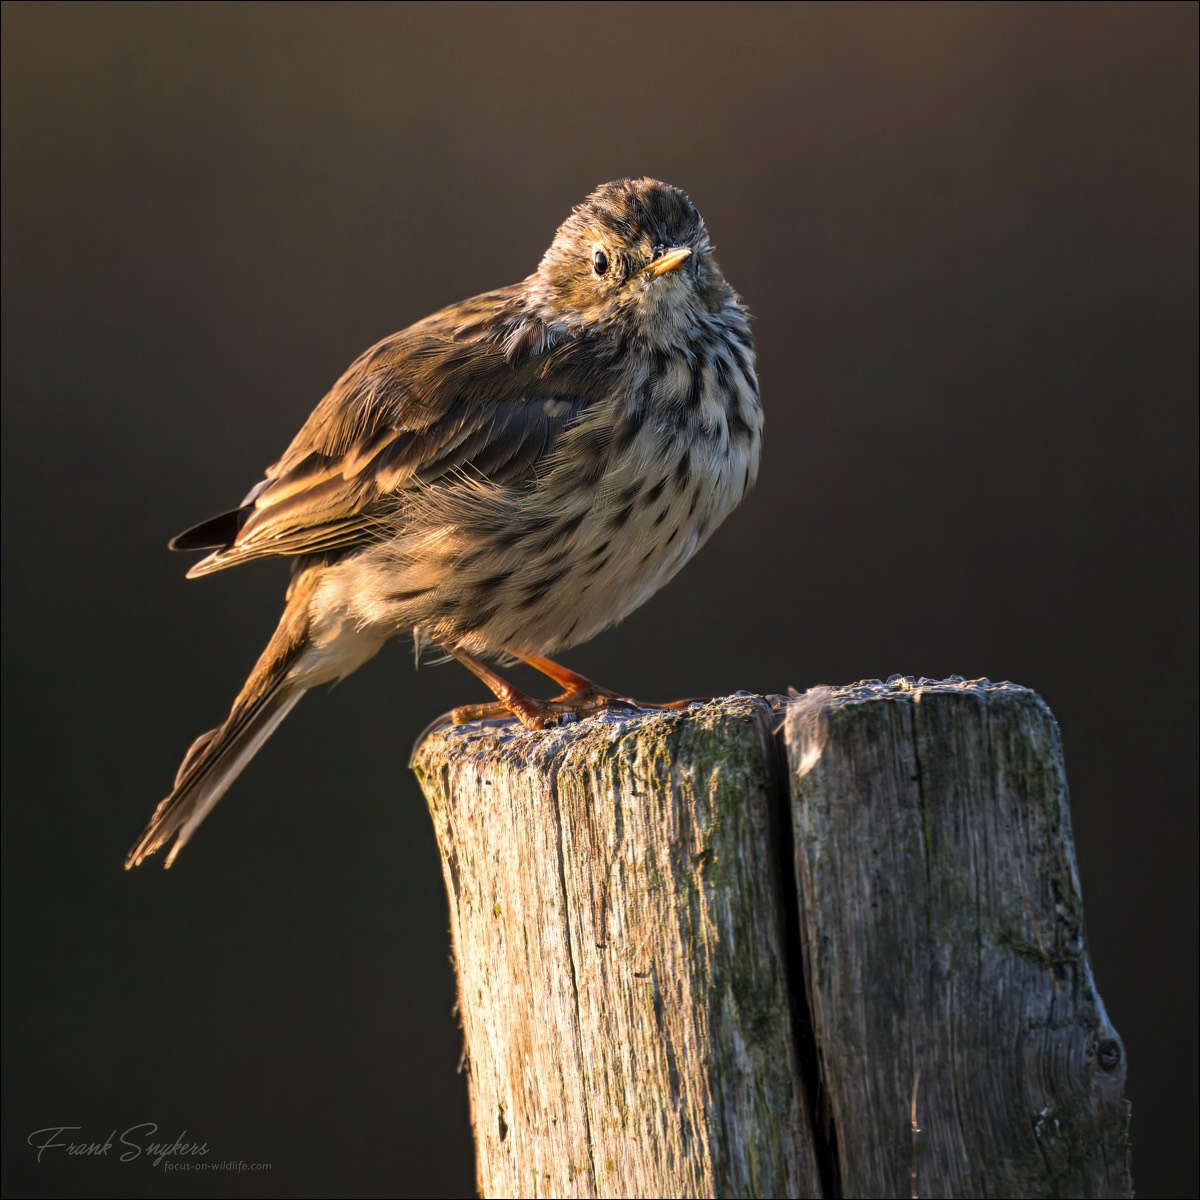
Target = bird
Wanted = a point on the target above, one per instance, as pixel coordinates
(503, 480)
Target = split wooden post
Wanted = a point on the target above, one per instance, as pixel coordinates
(825, 947)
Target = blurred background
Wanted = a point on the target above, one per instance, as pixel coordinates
(968, 235)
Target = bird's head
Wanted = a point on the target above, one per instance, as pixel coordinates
(633, 259)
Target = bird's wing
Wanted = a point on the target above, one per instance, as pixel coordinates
(467, 391)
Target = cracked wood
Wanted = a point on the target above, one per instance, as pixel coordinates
(620, 953)
(670, 949)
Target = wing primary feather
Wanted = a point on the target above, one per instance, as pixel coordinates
(419, 407)
(213, 534)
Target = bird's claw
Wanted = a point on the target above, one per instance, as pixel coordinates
(562, 710)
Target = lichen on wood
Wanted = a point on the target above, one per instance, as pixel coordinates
(620, 952)
(942, 925)
(673, 946)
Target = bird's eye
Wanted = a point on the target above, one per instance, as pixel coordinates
(599, 260)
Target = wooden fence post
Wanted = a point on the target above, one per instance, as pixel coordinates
(690, 967)
(945, 961)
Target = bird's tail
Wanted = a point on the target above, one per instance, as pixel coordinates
(215, 759)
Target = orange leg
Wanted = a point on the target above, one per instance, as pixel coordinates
(532, 713)
(581, 689)
(563, 676)
(581, 698)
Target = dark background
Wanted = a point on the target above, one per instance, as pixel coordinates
(968, 234)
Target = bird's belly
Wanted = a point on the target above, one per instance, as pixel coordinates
(547, 568)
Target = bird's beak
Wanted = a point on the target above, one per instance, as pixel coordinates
(667, 262)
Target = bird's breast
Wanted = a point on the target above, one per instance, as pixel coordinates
(624, 498)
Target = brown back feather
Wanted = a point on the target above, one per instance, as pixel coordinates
(429, 402)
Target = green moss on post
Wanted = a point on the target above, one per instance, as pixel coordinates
(614, 900)
(942, 927)
(668, 943)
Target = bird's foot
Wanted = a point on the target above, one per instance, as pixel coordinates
(543, 714)
(582, 697)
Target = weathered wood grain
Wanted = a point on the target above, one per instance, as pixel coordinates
(944, 946)
(623, 980)
(671, 946)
